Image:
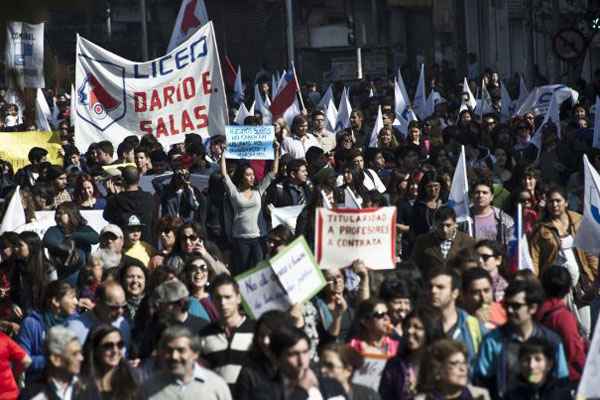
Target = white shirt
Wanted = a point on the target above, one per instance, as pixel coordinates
(297, 147)
(371, 181)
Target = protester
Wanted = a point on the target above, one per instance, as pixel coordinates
(61, 377)
(339, 362)
(179, 351)
(444, 373)
(248, 218)
(105, 372)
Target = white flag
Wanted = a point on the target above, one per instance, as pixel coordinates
(505, 103)
(344, 111)
(42, 112)
(485, 105)
(241, 115)
(376, 128)
(285, 215)
(292, 111)
(420, 102)
(24, 54)
(371, 93)
(192, 15)
(238, 88)
(328, 107)
(402, 87)
(596, 141)
(274, 85)
(552, 115)
(588, 385)
(72, 111)
(538, 100)
(523, 92)
(261, 107)
(15, 213)
(459, 191)
(433, 100)
(472, 103)
(589, 231)
(524, 260)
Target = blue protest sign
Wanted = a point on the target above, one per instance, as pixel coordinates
(250, 142)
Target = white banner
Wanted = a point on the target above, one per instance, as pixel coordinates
(179, 93)
(538, 100)
(343, 235)
(45, 219)
(24, 54)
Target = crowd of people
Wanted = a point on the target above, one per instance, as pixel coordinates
(148, 307)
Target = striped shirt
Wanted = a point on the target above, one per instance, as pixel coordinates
(226, 355)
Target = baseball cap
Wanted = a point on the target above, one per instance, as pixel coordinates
(134, 221)
(171, 291)
(112, 228)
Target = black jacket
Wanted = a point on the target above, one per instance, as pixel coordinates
(120, 206)
(555, 389)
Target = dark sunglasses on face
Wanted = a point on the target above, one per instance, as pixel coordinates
(513, 305)
(486, 257)
(112, 345)
(379, 315)
(193, 238)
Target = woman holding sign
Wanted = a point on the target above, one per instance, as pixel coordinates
(248, 226)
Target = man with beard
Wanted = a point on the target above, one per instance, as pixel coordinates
(110, 251)
(181, 377)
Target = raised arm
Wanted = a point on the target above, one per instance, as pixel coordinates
(223, 164)
(275, 167)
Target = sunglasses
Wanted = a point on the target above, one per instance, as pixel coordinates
(112, 345)
(193, 238)
(379, 314)
(486, 257)
(116, 306)
(199, 268)
(513, 305)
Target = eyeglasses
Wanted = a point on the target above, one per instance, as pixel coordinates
(116, 306)
(166, 231)
(112, 345)
(199, 268)
(192, 238)
(379, 314)
(513, 305)
(486, 257)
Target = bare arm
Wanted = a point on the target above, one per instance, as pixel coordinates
(275, 167)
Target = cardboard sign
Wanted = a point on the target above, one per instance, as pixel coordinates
(343, 235)
(291, 277)
(369, 374)
(250, 142)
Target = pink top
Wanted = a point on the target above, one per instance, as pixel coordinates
(389, 347)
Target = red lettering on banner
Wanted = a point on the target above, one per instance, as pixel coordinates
(206, 83)
(155, 101)
(161, 129)
(174, 130)
(189, 88)
(168, 92)
(146, 126)
(186, 122)
(201, 117)
(139, 101)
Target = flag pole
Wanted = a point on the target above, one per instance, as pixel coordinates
(519, 233)
(144, 30)
(299, 92)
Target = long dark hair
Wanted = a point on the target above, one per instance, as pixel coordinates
(238, 175)
(36, 268)
(76, 220)
(123, 383)
(428, 177)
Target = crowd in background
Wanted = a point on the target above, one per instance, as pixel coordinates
(147, 307)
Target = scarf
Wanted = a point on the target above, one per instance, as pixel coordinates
(51, 319)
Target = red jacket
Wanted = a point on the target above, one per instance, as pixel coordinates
(555, 315)
(10, 353)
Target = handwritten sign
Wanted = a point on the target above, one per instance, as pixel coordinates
(261, 291)
(291, 277)
(297, 271)
(342, 235)
(250, 142)
(369, 374)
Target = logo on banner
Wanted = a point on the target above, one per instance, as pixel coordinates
(97, 104)
(594, 205)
